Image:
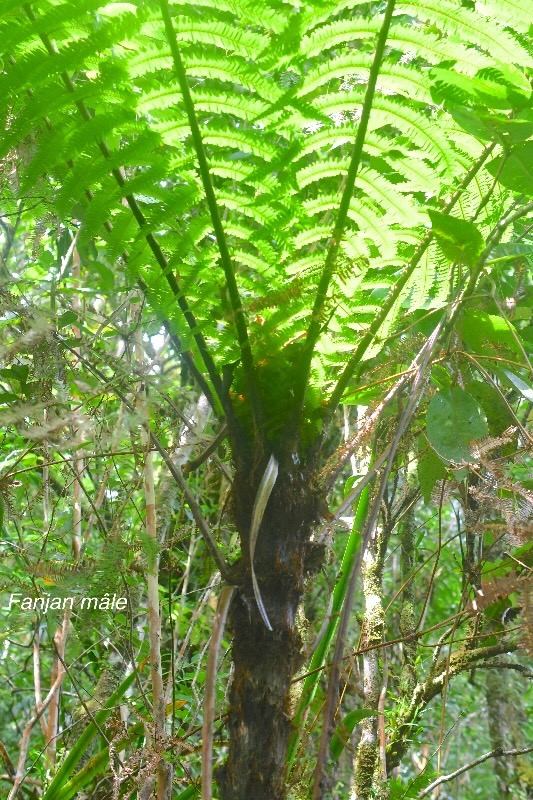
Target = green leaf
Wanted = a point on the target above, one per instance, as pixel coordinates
(509, 251)
(453, 420)
(499, 417)
(450, 85)
(16, 372)
(514, 171)
(67, 318)
(458, 239)
(485, 125)
(8, 397)
(340, 738)
(105, 275)
(492, 87)
(430, 469)
(488, 334)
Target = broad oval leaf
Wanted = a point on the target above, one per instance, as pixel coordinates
(514, 171)
(453, 421)
(458, 239)
(488, 334)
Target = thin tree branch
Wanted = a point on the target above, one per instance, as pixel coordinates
(164, 768)
(25, 741)
(498, 752)
(174, 470)
(223, 606)
(194, 463)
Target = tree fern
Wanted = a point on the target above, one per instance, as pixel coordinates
(292, 86)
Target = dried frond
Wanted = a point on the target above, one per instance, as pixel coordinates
(493, 591)
(489, 443)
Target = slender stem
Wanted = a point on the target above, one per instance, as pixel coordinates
(223, 605)
(318, 661)
(174, 470)
(316, 322)
(205, 174)
(164, 769)
(369, 532)
(496, 753)
(25, 740)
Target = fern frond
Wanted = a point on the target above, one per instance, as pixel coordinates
(514, 13)
(236, 72)
(466, 25)
(337, 33)
(394, 78)
(240, 141)
(245, 10)
(221, 35)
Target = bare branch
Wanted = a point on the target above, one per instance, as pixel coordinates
(496, 753)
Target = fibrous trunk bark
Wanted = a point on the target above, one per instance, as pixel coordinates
(265, 661)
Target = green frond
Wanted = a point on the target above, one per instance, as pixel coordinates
(278, 92)
(148, 61)
(88, 171)
(226, 37)
(19, 30)
(398, 207)
(246, 207)
(173, 131)
(386, 112)
(355, 246)
(431, 138)
(319, 170)
(319, 233)
(100, 210)
(394, 78)
(234, 71)
(238, 105)
(369, 220)
(515, 13)
(304, 265)
(251, 261)
(372, 227)
(30, 68)
(343, 31)
(331, 138)
(415, 41)
(462, 22)
(241, 171)
(159, 99)
(418, 174)
(240, 232)
(239, 141)
(314, 17)
(428, 286)
(245, 10)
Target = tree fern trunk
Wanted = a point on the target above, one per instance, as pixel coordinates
(266, 661)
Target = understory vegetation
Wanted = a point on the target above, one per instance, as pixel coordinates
(266, 485)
